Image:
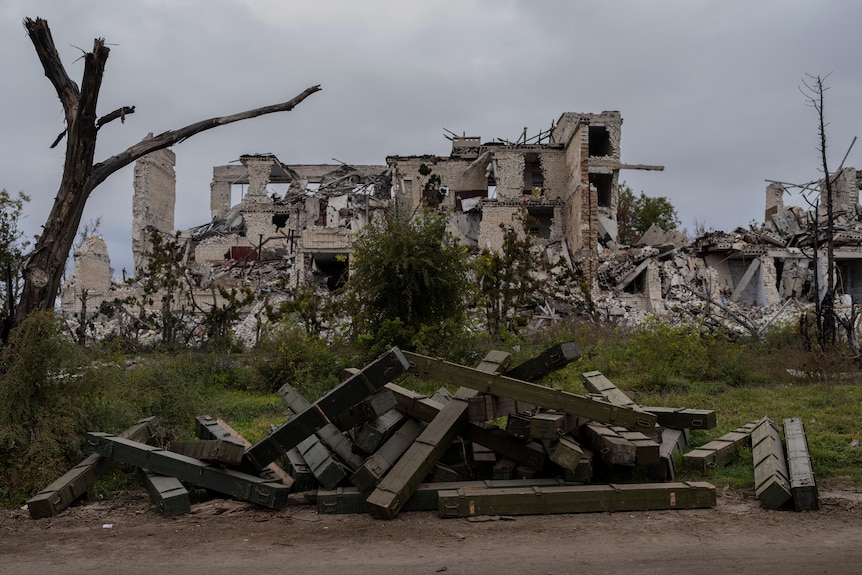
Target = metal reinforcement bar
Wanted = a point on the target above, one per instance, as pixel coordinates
(802, 484)
(575, 499)
(194, 471)
(352, 391)
(78, 480)
(546, 397)
(771, 483)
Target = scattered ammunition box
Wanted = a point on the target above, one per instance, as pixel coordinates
(303, 478)
(547, 426)
(484, 460)
(584, 471)
(802, 484)
(575, 499)
(221, 450)
(566, 453)
(523, 472)
(771, 483)
(721, 451)
(374, 433)
(443, 473)
(504, 469)
(168, 494)
(518, 425)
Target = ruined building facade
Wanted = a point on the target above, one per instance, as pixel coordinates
(296, 224)
(561, 185)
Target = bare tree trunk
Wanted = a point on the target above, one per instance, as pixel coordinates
(43, 268)
(816, 90)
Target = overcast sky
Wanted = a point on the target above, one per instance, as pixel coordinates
(710, 90)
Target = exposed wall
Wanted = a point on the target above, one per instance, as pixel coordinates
(509, 168)
(491, 234)
(92, 273)
(153, 203)
(555, 172)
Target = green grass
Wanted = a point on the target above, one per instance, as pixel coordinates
(656, 365)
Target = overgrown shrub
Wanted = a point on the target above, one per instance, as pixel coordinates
(44, 400)
(408, 276)
(53, 392)
(290, 355)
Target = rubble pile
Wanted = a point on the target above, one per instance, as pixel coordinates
(372, 446)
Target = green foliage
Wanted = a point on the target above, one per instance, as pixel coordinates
(163, 279)
(52, 392)
(218, 318)
(44, 397)
(636, 214)
(309, 364)
(308, 308)
(12, 246)
(406, 274)
(660, 357)
(508, 282)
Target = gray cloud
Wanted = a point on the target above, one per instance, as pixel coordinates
(708, 89)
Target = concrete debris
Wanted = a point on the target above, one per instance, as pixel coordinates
(294, 226)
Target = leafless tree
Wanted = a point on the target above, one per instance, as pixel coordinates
(43, 268)
(814, 89)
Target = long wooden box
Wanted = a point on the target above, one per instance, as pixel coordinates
(575, 499)
(351, 500)
(74, 483)
(802, 483)
(190, 470)
(771, 483)
(721, 451)
(168, 494)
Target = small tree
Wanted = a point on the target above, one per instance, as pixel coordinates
(408, 276)
(507, 282)
(12, 245)
(636, 214)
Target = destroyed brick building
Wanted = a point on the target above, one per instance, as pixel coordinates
(296, 224)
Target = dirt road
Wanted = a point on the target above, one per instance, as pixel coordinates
(127, 536)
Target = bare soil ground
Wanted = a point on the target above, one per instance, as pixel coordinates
(128, 536)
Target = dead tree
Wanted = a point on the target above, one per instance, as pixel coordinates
(814, 90)
(44, 266)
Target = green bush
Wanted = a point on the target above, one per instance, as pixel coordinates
(45, 396)
(309, 364)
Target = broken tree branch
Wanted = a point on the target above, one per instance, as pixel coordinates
(751, 327)
(42, 40)
(58, 139)
(166, 139)
(43, 267)
(118, 113)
